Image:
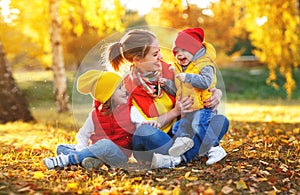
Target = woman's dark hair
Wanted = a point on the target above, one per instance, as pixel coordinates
(135, 43)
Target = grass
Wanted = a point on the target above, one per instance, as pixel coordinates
(250, 84)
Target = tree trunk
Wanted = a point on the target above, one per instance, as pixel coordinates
(13, 105)
(59, 80)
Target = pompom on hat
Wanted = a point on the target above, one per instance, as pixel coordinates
(99, 84)
(189, 39)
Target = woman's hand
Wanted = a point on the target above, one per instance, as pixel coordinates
(152, 123)
(183, 105)
(214, 100)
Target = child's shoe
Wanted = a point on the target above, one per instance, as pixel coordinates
(91, 163)
(180, 146)
(215, 154)
(58, 161)
(164, 161)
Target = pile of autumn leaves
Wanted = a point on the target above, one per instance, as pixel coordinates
(262, 158)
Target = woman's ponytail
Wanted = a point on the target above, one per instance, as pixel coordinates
(135, 43)
(115, 56)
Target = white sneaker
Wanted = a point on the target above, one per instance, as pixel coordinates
(215, 154)
(58, 161)
(91, 163)
(180, 146)
(164, 161)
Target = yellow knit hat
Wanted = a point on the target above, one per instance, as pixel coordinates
(100, 84)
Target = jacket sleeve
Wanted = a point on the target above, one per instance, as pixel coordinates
(85, 133)
(202, 80)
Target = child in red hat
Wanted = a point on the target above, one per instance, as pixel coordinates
(195, 74)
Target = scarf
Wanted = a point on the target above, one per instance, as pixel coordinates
(149, 81)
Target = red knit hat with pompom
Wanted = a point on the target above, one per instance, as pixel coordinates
(189, 39)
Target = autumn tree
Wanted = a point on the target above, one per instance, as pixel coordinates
(13, 104)
(58, 67)
(77, 18)
(274, 28)
(220, 20)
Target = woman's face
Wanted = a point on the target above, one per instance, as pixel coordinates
(151, 62)
(119, 96)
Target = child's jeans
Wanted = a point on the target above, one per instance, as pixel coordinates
(197, 123)
(104, 149)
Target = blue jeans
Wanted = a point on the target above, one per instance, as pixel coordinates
(104, 149)
(197, 123)
(147, 140)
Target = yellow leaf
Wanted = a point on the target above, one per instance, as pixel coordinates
(192, 178)
(263, 179)
(241, 185)
(72, 185)
(285, 141)
(176, 191)
(269, 168)
(187, 174)
(209, 191)
(38, 175)
(296, 131)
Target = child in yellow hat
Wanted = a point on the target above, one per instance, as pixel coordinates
(109, 125)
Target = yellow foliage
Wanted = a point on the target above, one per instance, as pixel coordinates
(277, 38)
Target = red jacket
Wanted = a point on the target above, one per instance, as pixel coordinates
(116, 126)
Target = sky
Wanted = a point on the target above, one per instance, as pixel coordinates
(144, 6)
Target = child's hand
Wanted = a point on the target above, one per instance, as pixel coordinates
(152, 123)
(162, 81)
(181, 77)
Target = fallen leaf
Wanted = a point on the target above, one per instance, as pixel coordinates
(241, 185)
(38, 175)
(226, 190)
(264, 162)
(161, 179)
(176, 191)
(209, 191)
(72, 186)
(187, 176)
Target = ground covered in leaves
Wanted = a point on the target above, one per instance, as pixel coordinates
(263, 158)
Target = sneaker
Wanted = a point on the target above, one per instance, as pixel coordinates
(215, 154)
(91, 163)
(180, 146)
(58, 161)
(164, 161)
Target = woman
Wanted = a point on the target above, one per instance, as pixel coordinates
(141, 49)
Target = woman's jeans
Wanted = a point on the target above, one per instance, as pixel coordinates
(104, 149)
(147, 140)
